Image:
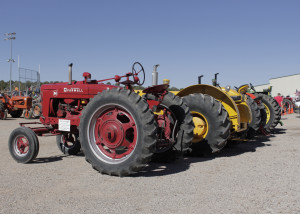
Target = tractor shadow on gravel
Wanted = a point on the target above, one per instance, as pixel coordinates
(156, 169)
(278, 131)
(55, 158)
(48, 159)
(235, 148)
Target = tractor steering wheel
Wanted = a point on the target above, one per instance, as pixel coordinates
(252, 87)
(135, 73)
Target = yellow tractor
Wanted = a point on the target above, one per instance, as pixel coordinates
(218, 113)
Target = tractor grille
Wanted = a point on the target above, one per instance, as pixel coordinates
(236, 98)
(29, 102)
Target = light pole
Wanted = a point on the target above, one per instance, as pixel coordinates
(10, 36)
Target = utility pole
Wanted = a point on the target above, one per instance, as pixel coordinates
(10, 36)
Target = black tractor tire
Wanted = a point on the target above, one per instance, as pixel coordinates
(272, 109)
(287, 104)
(184, 118)
(36, 110)
(68, 147)
(2, 107)
(3, 115)
(126, 106)
(16, 113)
(255, 119)
(263, 114)
(183, 130)
(216, 116)
(28, 114)
(3, 112)
(20, 152)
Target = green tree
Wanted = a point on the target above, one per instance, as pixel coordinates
(173, 89)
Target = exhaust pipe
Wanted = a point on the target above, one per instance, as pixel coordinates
(155, 75)
(70, 74)
(215, 81)
(199, 79)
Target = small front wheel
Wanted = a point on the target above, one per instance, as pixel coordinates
(23, 145)
(28, 114)
(68, 143)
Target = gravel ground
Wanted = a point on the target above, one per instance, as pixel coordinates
(259, 176)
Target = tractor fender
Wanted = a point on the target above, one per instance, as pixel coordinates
(243, 89)
(220, 95)
(241, 101)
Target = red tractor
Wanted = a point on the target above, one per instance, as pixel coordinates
(15, 106)
(117, 130)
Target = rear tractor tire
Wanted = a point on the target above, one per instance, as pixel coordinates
(181, 127)
(68, 143)
(287, 104)
(23, 145)
(16, 113)
(3, 112)
(117, 132)
(36, 110)
(212, 124)
(3, 115)
(272, 109)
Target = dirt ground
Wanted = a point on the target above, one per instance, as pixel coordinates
(258, 176)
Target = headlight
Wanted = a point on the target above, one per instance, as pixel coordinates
(227, 88)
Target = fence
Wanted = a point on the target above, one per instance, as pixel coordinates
(29, 81)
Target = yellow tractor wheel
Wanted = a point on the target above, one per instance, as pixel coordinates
(268, 113)
(212, 124)
(201, 127)
(272, 109)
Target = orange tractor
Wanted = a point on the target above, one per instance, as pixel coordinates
(15, 106)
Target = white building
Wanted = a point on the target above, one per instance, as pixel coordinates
(285, 85)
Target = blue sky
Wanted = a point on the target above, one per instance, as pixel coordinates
(243, 40)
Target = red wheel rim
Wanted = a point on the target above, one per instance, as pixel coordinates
(114, 133)
(21, 145)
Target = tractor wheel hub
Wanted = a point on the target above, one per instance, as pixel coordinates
(113, 134)
(200, 127)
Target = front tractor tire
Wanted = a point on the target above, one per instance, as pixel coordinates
(28, 114)
(117, 132)
(68, 143)
(212, 124)
(255, 119)
(23, 145)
